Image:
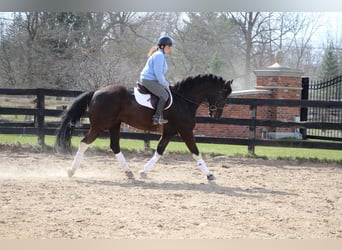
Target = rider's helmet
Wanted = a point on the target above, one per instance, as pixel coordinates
(165, 40)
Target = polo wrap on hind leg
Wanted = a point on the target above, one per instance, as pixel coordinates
(201, 164)
(78, 158)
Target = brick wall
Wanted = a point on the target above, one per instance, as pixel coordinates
(234, 111)
(274, 82)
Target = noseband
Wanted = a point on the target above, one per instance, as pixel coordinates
(215, 107)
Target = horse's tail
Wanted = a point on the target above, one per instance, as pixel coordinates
(69, 119)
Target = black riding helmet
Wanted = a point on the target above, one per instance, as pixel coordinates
(165, 40)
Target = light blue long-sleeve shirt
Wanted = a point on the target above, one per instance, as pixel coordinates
(155, 68)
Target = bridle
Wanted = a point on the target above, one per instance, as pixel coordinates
(216, 106)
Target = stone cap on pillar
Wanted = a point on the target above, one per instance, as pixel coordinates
(278, 68)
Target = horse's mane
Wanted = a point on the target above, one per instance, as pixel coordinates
(190, 82)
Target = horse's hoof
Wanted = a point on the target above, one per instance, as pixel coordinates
(143, 175)
(129, 175)
(71, 173)
(211, 177)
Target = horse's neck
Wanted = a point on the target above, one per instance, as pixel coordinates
(189, 97)
(198, 94)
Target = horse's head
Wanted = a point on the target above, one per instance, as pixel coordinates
(217, 100)
(208, 87)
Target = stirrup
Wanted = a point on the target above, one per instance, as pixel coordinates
(159, 120)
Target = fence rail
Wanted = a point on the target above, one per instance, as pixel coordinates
(41, 127)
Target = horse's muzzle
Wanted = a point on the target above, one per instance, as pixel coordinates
(218, 114)
(215, 112)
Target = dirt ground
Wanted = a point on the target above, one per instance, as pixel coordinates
(251, 198)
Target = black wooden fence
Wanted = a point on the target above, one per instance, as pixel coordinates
(40, 126)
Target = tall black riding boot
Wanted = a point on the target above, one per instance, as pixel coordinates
(158, 116)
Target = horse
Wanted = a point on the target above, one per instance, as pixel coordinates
(112, 105)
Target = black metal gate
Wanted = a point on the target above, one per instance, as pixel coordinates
(329, 90)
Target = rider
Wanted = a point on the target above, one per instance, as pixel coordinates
(153, 76)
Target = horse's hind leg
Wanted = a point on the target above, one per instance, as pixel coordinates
(83, 146)
(115, 146)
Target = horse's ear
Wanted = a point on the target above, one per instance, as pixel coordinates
(228, 84)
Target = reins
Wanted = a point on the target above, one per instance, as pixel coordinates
(186, 99)
(211, 107)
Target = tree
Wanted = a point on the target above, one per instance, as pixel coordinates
(258, 35)
(215, 65)
(204, 45)
(329, 67)
(302, 53)
(37, 48)
(64, 50)
(87, 50)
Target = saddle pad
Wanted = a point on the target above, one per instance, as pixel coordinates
(145, 99)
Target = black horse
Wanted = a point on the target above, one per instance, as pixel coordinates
(109, 106)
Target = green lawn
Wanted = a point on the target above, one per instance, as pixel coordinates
(213, 149)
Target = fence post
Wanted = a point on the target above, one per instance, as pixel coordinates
(304, 111)
(304, 96)
(284, 83)
(40, 120)
(252, 130)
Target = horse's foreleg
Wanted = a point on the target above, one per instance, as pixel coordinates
(163, 142)
(190, 142)
(203, 166)
(122, 160)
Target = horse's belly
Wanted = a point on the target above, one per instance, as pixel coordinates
(143, 126)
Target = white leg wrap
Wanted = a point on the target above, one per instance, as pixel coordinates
(151, 162)
(201, 164)
(79, 156)
(121, 159)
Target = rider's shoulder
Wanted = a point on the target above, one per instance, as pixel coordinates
(158, 54)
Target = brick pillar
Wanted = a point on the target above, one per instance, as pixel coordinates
(284, 83)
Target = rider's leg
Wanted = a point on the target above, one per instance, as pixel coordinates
(158, 118)
(160, 91)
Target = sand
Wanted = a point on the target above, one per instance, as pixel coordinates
(251, 198)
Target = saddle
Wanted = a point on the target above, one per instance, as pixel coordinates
(145, 98)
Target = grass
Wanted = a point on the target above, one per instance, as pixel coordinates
(272, 153)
